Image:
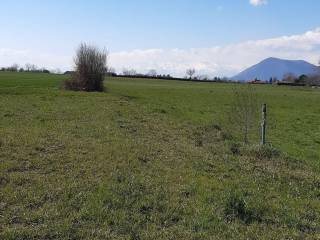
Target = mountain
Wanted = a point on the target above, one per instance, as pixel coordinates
(276, 68)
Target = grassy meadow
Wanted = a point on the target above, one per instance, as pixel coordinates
(154, 159)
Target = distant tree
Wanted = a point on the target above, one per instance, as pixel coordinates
(203, 77)
(13, 68)
(58, 71)
(302, 79)
(190, 72)
(289, 77)
(34, 68)
(110, 70)
(128, 72)
(273, 80)
(28, 67)
(152, 73)
(133, 72)
(90, 65)
(244, 110)
(313, 80)
(31, 67)
(125, 71)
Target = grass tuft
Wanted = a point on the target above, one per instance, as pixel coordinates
(237, 207)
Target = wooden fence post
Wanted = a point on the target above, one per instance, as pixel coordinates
(263, 124)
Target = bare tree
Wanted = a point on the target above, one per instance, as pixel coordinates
(314, 80)
(190, 72)
(132, 72)
(152, 73)
(28, 67)
(90, 65)
(13, 68)
(111, 70)
(289, 77)
(129, 72)
(125, 71)
(244, 110)
(34, 68)
(31, 67)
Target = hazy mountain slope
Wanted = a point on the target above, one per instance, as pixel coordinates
(275, 67)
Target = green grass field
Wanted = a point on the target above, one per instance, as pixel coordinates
(154, 159)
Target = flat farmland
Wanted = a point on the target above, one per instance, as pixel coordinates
(154, 159)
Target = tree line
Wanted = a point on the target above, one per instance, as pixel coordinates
(303, 80)
(27, 68)
(190, 75)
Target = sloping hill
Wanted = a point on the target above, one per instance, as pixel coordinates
(276, 68)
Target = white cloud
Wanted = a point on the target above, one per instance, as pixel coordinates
(9, 52)
(258, 2)
(215, 61)
(22, 56)
(220, 60)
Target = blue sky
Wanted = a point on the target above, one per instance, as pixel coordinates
(159, 34)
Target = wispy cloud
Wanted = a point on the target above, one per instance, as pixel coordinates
(258, 2)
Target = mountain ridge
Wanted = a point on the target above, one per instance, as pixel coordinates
(276, 68)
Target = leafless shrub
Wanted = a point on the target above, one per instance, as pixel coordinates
(90, 68)
(190, 72)
(244, 110)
